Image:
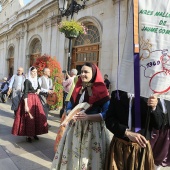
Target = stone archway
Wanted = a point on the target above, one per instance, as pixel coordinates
(10, 61)
(35, 50)
(86, 47)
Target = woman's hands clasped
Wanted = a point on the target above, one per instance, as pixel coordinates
(80, 116)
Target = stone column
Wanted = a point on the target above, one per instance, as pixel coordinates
(5, 54)
(3, 58)
(25, 51)
(43, 43)
(21, 50)
(16, 56)
(48, 36)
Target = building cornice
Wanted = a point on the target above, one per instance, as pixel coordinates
(116, 1)
(4, 2)
(38, 13)
(94, 3)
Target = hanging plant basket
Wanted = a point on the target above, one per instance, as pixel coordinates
(71, 34)
(72, 29)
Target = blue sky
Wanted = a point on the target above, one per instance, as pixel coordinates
(25, 2)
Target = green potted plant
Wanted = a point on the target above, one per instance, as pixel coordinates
(72, 28)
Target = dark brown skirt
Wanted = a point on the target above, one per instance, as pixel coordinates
(125, 155)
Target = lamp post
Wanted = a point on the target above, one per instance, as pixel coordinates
(66, 11)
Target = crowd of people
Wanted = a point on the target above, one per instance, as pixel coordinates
(28, 94)
(86, 142)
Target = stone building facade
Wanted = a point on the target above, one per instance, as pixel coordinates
(27, 32)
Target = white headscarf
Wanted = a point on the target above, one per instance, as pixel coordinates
(34, 81)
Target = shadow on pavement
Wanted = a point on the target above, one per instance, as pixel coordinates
(16, 153)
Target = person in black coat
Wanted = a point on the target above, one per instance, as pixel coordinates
(4, 89)
(126, 144)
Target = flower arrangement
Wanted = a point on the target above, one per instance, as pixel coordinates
(47, 61)
(72, 27)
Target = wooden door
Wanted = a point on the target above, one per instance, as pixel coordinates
(83, 54)
(33, 58)
(10, 66)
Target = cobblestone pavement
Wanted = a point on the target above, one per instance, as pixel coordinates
(17, 154)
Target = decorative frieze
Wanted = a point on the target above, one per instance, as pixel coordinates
(20, 35)
(54, 20)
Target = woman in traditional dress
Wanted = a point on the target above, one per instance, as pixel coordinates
(85, 141)
(160, 138)
(30, 118)
(125, 148)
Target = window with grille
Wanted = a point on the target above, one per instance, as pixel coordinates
(86, 48)
(91, 37)
(36, 46)
(11, 52)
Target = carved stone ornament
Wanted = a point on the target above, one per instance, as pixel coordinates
(20, 35)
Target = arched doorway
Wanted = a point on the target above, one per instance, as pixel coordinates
(10, 61)
(35, 50)
(86, 48)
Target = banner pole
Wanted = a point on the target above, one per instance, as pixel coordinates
(136, 67)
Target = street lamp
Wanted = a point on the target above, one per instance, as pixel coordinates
(72, 8)
(63, 4)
